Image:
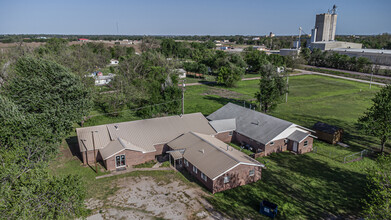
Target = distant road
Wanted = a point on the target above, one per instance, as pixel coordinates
(351, 72)
(302, 72)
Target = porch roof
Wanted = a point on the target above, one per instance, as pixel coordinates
(176, 154)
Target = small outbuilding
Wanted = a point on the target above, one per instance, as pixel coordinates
(328, 133)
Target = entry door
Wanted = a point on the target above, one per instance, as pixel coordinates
(295, 146)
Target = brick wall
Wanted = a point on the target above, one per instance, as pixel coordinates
(224, 137)
(238, 176)
(240, 139)
(278, 146)
(161, 149)
(131, 158)
(88, 158)
(301, 149)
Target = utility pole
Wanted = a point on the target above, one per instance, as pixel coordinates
(287, 86)
(183, 97)
(370, 84)
(93, 144)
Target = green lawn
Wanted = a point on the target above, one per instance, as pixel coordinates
(309, 186)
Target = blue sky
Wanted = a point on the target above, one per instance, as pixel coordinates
(185, 17)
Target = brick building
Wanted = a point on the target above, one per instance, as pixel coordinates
(260, 132)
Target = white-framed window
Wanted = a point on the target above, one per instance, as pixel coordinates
(204, 177)
(286, 141)
(195, 170)
(120, 161)
(271, 143)
(252, 172)
(180, 162)
(186, 162)
(231, 133)
(226, 179)
(305, 143)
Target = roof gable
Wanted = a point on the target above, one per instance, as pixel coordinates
(255, 125)
(210, 155)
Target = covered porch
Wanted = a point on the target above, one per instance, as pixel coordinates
(176, 158)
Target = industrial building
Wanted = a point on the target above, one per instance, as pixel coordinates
(323, 34)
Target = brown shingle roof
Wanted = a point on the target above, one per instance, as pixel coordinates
(142, 135)
(210, 155)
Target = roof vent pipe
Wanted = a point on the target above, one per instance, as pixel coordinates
(227, 147)
(116, 127)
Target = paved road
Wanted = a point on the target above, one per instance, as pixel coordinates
(350, 72)
(305, 72)
(302, 72)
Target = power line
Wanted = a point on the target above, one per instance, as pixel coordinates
(134, 109)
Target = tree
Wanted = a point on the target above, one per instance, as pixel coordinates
(50, 93)
(255, 59)
(376, 120)
(229, 75)
(378, 202)
(271, 88)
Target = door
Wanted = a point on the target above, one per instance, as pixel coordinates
(294, 146)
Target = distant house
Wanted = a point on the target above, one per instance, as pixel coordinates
(329, 133)
(100, 79)
(83, 39)
(114, 62)
(181, 73)
(260, 132)
(260, 48)
(214, 163)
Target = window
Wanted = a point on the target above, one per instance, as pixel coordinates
(120, 161)
(230, 133)
(203, 176)
(271, 143)
(180, 162)
(226, 179)
(195, 169)
(186, 162)
(286, 141)
(252, 172)
(305, 143)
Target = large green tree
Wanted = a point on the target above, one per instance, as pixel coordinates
(255, 59)
(272, 87)
(50, 93)
(376, 120)
(229, 75)
(378, 202)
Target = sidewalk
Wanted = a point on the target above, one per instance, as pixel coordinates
(131, 169)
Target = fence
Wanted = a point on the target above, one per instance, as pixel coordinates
(340, 156)
(355, 157)
(328, 153)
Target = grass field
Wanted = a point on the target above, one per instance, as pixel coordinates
(309, 186)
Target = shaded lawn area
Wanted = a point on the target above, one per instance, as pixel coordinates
(307, 186)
